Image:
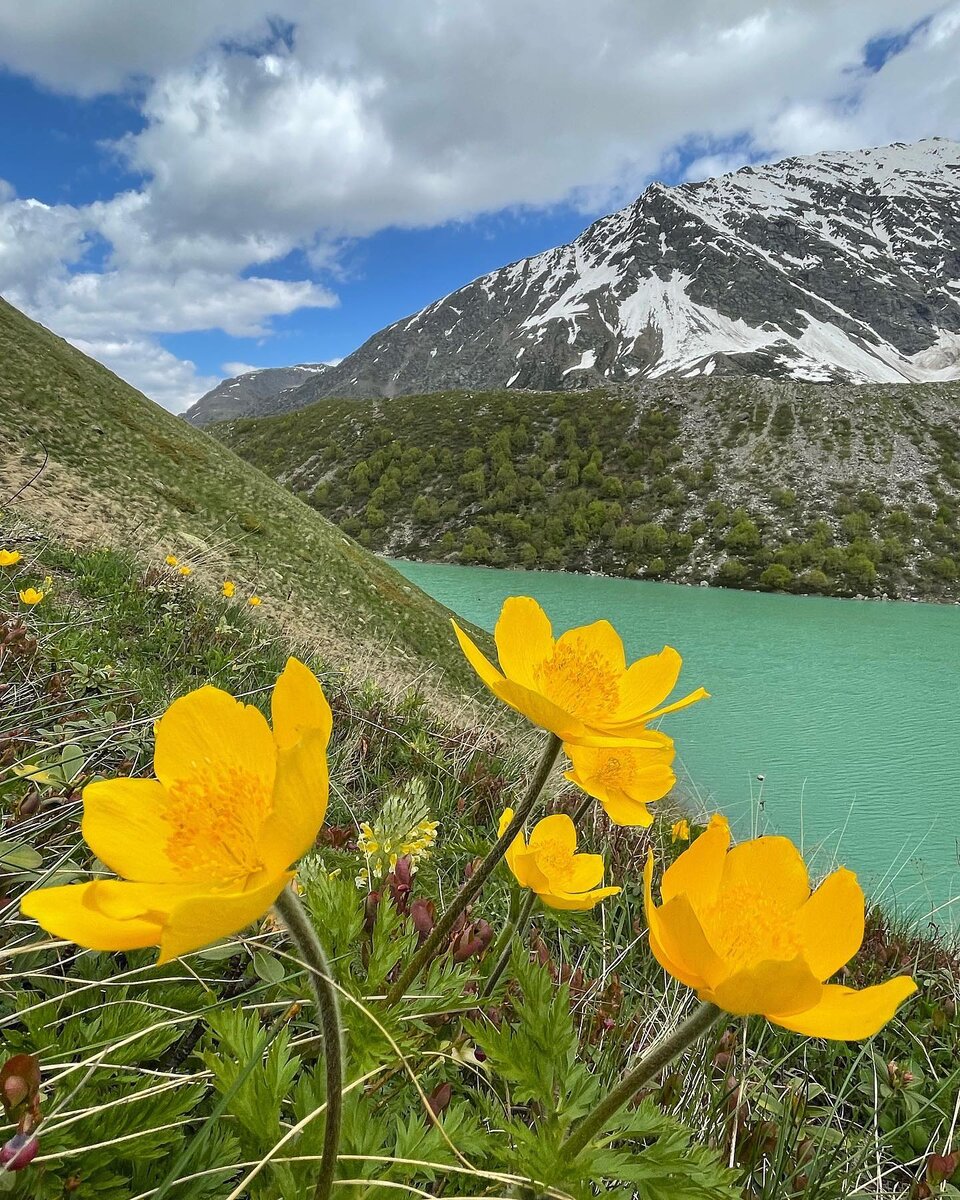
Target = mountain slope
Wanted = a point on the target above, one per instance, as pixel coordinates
(108, 465)
(746, 482)
(836, 267)
(252, 394)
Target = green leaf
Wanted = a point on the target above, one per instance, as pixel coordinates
(268, 967)
(19, 856)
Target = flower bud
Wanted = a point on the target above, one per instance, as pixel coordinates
(19, 1151)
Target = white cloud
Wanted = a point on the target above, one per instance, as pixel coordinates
(237, 368)
(171, 381)
(412, 114)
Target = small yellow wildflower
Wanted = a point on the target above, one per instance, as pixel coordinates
(550, 866)
(254, 601)
(625, 778)
(185, 571)
(204, 849)
(229, 588)
(577, 686)
(9, 558)
(31, 596)
(680, 830)
(403, 829)
(743, 929)
(171, 560)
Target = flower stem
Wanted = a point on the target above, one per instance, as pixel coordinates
(304, 937)
(515, 928)
(441, 931)
(650, 1065)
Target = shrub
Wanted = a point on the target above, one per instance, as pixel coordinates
(777, 577)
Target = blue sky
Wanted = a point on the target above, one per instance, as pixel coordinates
(187, 189)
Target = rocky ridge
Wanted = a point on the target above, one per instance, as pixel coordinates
(837, 267)
(253, 394)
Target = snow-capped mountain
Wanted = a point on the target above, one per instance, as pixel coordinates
(835, 267)
(252, 394)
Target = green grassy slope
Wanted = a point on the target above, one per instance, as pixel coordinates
(84, 674)
(114, 468)
(744, 483)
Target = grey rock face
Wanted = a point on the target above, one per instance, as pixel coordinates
(839, 267)
(253, 394)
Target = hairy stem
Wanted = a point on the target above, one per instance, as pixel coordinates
(304, 937)
(441, 931)
(514, 929)
(650, 1065)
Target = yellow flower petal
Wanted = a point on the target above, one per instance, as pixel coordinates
(585, 871)
(209, 733)
(768, 866)
(845, 1014)
(526, 870)
(477, 659)
(64, 912)
(124, 825)
(693, 698)
(680, 938)
(298, 705)
(648, 682)
(556, 830)
(524, 639)
(660, 934)
(699, 869)
(599, 639)
(766, 987)
(581, 902)
(300, 796)
(195, 923)
(830, 923)
(9, 558)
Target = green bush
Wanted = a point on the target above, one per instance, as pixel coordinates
(777, 577)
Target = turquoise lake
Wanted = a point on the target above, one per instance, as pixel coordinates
(848, 709)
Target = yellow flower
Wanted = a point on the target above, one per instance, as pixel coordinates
(186, 571)
(229, 587)
(680, 830)
(625, 779)
(31, 596)
(171, 560)
(9, 558)
(205, 848)
(254, 601)
(549, 864)
(577, 686)
(742, 927)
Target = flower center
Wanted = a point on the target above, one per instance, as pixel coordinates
(580, 681)
(215, 823)
(553, 857)
(746, 926)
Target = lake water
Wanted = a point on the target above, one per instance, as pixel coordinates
(850, 710)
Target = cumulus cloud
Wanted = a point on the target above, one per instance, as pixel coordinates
(269, 128)
(171, 381)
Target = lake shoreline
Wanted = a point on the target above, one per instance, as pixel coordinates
(837, 706)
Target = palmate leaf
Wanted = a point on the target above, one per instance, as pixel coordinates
(535, 1049)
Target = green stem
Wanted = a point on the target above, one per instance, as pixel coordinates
(304, 937)
(583, 808)
(441, 931)
(517, 928)
(650, 1065)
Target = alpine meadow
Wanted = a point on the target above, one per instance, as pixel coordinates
(317, 883)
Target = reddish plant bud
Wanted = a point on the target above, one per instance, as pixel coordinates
(439, 1099)
(19, 1151)
(423, 914)
(941, 1166)
(15, 1091)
